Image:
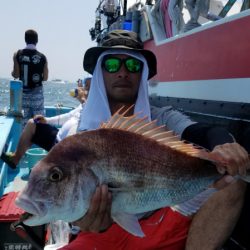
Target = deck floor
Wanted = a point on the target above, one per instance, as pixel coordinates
(18, 182)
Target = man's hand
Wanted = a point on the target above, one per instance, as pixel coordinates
(39, 119)
(82, 95)
(233, 158)
(97, 218)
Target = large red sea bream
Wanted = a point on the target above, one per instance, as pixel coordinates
(144, 166)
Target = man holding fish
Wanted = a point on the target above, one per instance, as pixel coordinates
(151, 174)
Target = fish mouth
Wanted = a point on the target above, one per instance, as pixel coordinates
(33, 210)
(30, 219)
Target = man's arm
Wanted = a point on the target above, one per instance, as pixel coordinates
(214, 222)
(59, 120)
(16, 69)
(45, 71)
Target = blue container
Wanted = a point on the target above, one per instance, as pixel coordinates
(127, 25)
(34, 155)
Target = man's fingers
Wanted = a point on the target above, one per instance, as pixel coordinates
(86, 221)
(97, 217)
(107, 220)
(231, 157)
(102, 213)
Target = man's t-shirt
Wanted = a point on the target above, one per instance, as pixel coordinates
(164, 229)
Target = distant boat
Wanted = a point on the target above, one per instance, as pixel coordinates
(60, 81)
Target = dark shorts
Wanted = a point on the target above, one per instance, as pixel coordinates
(45, 136)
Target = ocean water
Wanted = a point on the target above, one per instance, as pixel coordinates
(54, 93)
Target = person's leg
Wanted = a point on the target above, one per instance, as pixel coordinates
(26, 106)
(25, 141)
(41, 134)
(37, 101)
(45, 136)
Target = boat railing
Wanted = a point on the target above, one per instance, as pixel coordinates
(151, 26)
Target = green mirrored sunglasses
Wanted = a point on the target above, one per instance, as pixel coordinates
(113, 64)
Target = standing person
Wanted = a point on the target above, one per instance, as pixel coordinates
(121, 68)
(31, 67)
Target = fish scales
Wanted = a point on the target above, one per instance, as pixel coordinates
(124, 154)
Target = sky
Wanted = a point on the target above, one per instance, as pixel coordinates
(63, 30)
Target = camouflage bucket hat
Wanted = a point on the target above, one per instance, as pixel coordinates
(119, 39)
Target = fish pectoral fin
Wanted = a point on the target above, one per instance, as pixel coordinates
(128, 222)
(190, 207)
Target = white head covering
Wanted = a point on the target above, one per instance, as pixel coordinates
(96, 109)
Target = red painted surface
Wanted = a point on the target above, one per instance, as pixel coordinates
(219, 52)
(8, 210)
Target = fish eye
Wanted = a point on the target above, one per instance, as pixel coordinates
(56, 175)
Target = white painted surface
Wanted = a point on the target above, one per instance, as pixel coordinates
(232, 90)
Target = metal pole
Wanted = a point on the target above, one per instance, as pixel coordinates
(125, 8)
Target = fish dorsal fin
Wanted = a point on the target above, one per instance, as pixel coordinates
(157, 133)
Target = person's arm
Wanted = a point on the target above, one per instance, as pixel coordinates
(45, 71)
(214, 222)
(59, 120)
(16, 68)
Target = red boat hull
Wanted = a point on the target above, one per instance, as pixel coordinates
(221, 51)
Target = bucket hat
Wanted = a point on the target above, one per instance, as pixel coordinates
(119, 39)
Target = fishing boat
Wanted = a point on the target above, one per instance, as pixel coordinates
(202, 71)
(57, 80)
